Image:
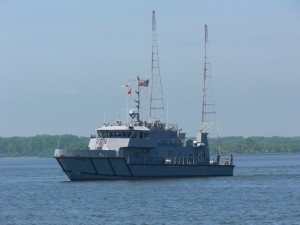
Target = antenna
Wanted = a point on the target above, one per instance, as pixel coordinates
(104, 115)
(58, 142)
(208, 120)
(157, 110)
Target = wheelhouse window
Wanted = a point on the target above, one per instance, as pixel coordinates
(132, 134)
(102, 134)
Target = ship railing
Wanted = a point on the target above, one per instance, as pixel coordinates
(160, 126)
(223, 161)
(183, 160)
(166, 160)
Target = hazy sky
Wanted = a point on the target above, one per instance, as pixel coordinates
(63, 62)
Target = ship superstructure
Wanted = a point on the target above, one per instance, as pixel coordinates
(143, 149)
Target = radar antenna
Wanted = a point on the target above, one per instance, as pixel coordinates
(208, 120)
(157, 110)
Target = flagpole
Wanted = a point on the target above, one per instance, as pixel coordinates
(127, 108)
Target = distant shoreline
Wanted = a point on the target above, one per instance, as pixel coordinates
(266, 153)
(42, 146)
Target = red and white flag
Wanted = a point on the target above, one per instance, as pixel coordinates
(129, 92)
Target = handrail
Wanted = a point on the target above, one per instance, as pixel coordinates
(224, 161)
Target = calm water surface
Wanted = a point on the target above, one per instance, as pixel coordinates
(265, 189)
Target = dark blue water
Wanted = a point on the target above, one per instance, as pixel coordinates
(264, 190)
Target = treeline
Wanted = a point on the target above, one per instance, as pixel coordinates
(44, 145)
(40, 145)
(253, 145)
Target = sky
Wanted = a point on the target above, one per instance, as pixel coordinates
(62, 64)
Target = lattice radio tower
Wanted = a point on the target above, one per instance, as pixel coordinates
(209, 120)
(157, 109)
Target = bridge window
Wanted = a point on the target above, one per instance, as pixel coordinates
(139, 134)
(101, 134)
(132, 135)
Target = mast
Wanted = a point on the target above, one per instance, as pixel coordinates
(138, 100)
(132, 113)
(205, 77)
(157, 110)
(208, 118)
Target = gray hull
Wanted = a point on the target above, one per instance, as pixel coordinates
(116, 168)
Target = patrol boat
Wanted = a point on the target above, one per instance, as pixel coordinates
(141, 149)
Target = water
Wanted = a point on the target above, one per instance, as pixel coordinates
(264, 190)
